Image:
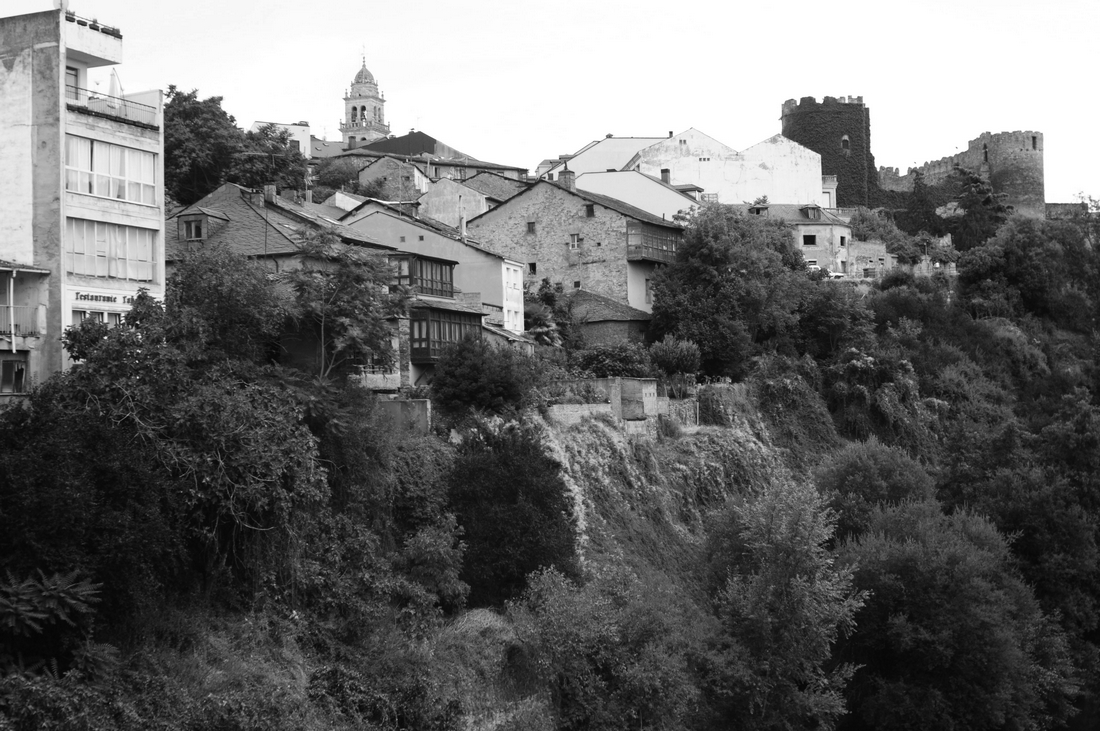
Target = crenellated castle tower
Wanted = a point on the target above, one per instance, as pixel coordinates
(838, 129)
(364, 111)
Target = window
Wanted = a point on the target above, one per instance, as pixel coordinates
(550, 176)
(589, 210)
(811, 262)
(649, 291)
(532, 268)
(844, 266)
(13, 373)
(401, 239)
(809, 240)
(193, 230)
(109, 171)
(97, 249)
(530, 227)
(845, 143)
(704, 159)
(72, 77)
(575, 241)
(421, 238)
(576, 284)
(1035, 142)
(843, 241)
(985, 153)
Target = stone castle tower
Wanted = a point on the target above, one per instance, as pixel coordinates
(364, 111)
(838, 129)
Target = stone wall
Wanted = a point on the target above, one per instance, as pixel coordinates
(598, 263)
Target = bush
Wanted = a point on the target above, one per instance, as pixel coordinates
(628, 360)
(514, 508)
(675, 357)
(473, 374)
(867, 475)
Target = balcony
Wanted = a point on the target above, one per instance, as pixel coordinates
(111, 107)
(641, 252)
(91, 42)
(19, 321)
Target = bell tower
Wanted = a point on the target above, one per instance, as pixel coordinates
(364, 111)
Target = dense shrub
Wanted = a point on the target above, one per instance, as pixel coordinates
(628, 360)
(514, 508)
(866, 475)
(474, 374)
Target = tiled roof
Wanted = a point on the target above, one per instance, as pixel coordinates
(433, 225)
(251, 229)
(607, 202)
(592, 307)
(610, 153)
(438, 303)
(495, 186)
(463, 161)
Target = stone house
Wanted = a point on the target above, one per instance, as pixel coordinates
(604, 321)
(581, 240)
(823, 237)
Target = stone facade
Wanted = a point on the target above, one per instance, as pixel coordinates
(548, 229)
(1012, 162)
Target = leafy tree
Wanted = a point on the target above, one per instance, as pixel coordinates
(220, 306)
(338, 173)
(614, 654)
(782, 604)
(474, 374)
(949, 636)
(548, 317)
(514, 508)
(267, 158)
(343, 304)
(978, 212)
(200, 144)
(734, 287)
(920, 212)
(866, 475)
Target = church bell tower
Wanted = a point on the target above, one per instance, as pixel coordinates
(364, 111)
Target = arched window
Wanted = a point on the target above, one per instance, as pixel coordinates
(363, 113)
(354, 114)
(985, 153)
(845, 144)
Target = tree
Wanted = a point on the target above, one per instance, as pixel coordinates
(782, 603)
(343, 304)
(920, 209)
(514, 508)
(200, 144)
(978, 211)
(734, 286)
(474, 374)
(949, 636)
(265, 158)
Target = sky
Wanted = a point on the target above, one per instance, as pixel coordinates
(516, 81)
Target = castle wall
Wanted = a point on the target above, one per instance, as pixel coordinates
(838, 129)
(1012, 162)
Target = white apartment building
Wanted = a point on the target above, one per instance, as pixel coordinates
(82, 194)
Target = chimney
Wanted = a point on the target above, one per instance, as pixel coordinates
(567, 178)
(269, 194)
(666, 176)
(670, 134)
(462, 227)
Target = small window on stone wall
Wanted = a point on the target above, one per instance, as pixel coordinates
(985, 153)
(1034, 142)
(809, 240)
(589, 210)
(530, 227)
(532, 267)
(845, 143)
(576, 285)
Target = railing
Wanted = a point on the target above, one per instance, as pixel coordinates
(19, 320)
(93, 24)
(110, 106)
(652, 253)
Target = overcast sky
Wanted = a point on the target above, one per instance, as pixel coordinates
(516, 81)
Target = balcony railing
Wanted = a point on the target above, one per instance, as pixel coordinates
(650, 253)
(110, 106)
(19, 321)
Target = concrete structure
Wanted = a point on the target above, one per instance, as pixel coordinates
(652, 195)
(581, 240)
(777, 168)
(394, 179)
(82, 190)
(480, 275)
(823, 237)
(364, 111)
(1012, 162)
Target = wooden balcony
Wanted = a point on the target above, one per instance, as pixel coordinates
(664, 255)
(19, 321)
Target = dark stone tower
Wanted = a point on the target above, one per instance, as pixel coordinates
(840, 131)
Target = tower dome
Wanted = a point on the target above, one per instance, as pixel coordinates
(364, 76)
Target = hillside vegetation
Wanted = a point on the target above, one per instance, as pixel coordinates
(888, 518)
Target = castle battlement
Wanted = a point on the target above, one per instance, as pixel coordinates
(808, 103)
